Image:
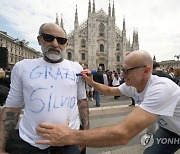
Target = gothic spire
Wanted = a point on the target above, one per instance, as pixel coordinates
(76, 20)
(154, 58)
(109, 9)
(57, 19)
(137, 37)
(89, 8)
(124, 24)
(135, 42)
(113, 10)
(62, 25)
(76, 15)
(134, 35)
(93, 6)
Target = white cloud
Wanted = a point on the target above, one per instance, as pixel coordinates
(157, 21)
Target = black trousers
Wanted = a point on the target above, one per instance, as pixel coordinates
(165, 142)
(15, 145)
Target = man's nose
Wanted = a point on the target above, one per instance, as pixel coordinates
(55, 43)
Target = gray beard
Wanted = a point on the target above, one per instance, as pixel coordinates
(55, 57)
(52, 56)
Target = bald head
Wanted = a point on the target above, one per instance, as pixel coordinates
(51, 26)
(139, 58)
(137, 67)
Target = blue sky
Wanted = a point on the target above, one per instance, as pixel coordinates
(157, 21)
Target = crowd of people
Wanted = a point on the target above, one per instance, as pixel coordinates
(114, 79)
(110, 78)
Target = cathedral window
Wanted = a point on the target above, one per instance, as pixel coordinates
(101, 30)
(69, 56)
(83, 56)
(118, 46)
(118, 58)
(83, 43)
(101, 48)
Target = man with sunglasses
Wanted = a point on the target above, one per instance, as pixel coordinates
(158, 99)
(50, 91)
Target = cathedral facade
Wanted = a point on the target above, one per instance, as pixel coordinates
(99, 41)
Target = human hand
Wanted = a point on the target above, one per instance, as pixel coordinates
(55, 134)
(86, 74)
(81, 148)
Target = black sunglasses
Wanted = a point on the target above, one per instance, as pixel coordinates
(50, 38)
(126, 71)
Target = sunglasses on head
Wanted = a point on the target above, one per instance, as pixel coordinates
(50, 38)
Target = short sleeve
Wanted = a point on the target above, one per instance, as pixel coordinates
(126, 90)
(160, 99)
(15, 96)
(81, 92)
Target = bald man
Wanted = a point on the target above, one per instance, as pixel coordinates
(158, 99)
(50, 91)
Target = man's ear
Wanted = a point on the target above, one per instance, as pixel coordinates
(39, 41)
(147, 69)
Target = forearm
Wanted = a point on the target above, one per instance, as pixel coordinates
(84, 113)
(100, 137)
(119, 134)
(8, 121)
(104, 89)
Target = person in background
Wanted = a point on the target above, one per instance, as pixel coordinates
(98, 77)
(159, 72)
(2, 73)
(177, 76)
(109, 76)
(89, 92)
(116, 82)
(4, 86)
(171, 72)
(89, 89)
(133, 103)
(50, 91)
(105, 78)
(158, 99)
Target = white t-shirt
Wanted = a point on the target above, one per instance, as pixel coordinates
(161, 96)
(115, 81)
(49, 92)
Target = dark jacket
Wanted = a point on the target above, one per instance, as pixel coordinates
(98, 77)
(161, 73)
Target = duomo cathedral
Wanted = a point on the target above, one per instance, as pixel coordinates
(99, 41)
